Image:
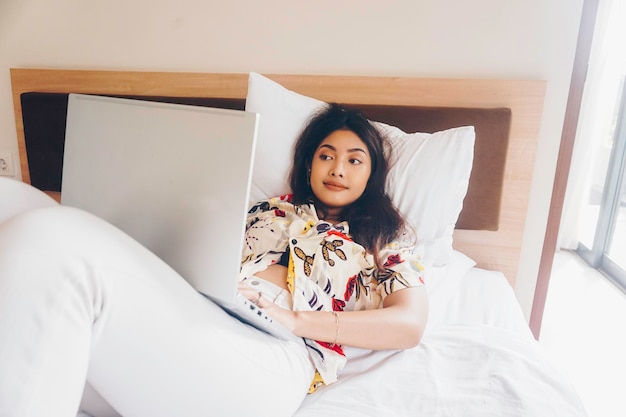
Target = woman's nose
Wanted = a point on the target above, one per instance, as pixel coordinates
(337, 170)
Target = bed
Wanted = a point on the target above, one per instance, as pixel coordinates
(466, 156)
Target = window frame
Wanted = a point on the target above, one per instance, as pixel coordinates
(597, 256)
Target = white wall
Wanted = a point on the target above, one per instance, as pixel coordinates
(532, 39)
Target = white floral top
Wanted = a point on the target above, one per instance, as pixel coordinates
(327, 269)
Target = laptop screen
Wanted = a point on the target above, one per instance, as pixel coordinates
(174, 177)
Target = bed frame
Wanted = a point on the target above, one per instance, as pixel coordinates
(496, 248)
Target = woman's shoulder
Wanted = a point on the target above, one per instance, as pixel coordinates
(280, 206)
(271, 204)
(405, 244)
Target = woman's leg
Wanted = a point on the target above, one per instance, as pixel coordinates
(79, 299)
(18, 197)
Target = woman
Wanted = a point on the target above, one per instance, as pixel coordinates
(338, 184)
(96, 305)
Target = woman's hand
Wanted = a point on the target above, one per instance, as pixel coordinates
(282, 315)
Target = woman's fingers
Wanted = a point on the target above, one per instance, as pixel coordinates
(252, 294)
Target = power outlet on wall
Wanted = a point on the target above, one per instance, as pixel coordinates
(6, 164)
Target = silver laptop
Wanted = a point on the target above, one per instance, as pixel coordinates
(174, 177)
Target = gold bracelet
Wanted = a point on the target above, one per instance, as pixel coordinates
(334, 313)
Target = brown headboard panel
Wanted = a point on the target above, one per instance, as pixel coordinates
(44, 116)
(516, 104)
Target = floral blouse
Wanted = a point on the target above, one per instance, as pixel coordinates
(327, 269)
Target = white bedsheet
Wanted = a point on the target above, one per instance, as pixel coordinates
(477, 358)
(460, 370)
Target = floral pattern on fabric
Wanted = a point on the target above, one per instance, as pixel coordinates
(327, 269)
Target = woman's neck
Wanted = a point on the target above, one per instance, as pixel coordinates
(330, 215)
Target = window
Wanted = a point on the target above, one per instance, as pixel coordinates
(603, 236)
(594, 214)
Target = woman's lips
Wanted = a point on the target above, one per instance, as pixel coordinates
(335, 186)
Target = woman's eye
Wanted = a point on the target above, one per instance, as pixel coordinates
(355, 161)
(324, 157)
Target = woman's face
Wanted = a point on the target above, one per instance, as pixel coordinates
(340, 169)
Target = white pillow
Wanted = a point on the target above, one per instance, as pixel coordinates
(428, 182)
(444, 280)
(283, 115)
(428, 178)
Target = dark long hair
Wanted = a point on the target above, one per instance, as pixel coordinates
(374, 220)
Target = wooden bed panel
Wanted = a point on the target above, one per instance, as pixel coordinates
(497, 250)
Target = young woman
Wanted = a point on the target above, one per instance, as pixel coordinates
(340, 244)
(80, 300)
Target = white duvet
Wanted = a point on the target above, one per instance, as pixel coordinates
(460, 370)
(477, 358)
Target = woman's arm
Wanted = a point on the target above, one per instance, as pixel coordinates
(400, 324)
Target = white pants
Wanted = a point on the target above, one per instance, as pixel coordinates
(81, 301)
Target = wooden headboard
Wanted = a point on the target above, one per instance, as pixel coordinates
(493, 247)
